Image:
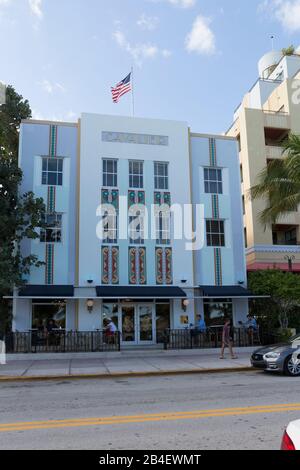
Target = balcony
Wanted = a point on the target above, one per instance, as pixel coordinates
(274, 152)
(277, 120)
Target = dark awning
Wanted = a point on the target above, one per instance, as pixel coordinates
(140, 292)
(225, 291)
(46, 291)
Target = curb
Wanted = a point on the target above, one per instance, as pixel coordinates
(118, 375)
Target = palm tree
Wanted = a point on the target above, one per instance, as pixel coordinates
(279, 183)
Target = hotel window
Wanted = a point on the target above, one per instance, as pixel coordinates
(215, 233)
(161, 176)
(52, 171)
(137, 229)
(163, 227)
(213, 181)
(136, 174)
(110, 173)
(110, 228)
(52, 232)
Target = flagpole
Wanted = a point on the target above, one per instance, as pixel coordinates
(132, 91)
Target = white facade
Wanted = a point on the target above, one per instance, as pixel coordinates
(132, 282)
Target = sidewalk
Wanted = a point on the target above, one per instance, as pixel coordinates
(122, 364)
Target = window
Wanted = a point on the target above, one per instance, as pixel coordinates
(44, 312)
(52, 231)
(215, 310)
(110, 227)
(215, 233)
(110, 173)
(163, 227)
(213, 181)
(137, 229)
(161, 176)
(136, 174)
(52, 171)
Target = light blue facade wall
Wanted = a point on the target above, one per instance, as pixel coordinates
(34, 144)
(233, 260)
(230, 210)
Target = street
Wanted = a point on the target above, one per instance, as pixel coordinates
(245, 410)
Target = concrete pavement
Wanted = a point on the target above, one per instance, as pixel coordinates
(123, 364)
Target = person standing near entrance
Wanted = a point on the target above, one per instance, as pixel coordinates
(200, 324)
(227, 339)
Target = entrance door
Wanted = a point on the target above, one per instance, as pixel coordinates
(137, 324)
(128, 324)
(145, 324)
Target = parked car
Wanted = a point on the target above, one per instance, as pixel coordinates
(283, 357)
(291, 437)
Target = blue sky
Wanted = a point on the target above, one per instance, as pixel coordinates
(193, 59)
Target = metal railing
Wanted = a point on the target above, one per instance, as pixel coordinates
(212, 338)
(61, 341)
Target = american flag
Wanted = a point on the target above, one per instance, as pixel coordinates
(121, 88)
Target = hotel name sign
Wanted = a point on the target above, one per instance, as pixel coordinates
(127, 138)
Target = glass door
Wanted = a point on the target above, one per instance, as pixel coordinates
(128, 325)
(145, 324)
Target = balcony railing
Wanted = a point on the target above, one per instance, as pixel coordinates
(279, 120)
(274, 152)
(61, 341)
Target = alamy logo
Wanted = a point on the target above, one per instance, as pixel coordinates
(2, 93)
(2, 353)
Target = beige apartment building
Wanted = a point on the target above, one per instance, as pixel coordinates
(267, 114)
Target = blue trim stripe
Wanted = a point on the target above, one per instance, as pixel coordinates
(212, 152)
(218, 267)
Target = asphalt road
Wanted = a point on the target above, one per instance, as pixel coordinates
(246, 410)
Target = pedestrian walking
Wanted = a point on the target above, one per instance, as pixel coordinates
(227, 339)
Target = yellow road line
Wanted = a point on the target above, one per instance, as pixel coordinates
(81, 422)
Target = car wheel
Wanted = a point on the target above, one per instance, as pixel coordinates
(292, 366)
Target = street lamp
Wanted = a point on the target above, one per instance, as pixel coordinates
(90, 305)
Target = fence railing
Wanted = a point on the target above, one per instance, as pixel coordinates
(212, 338)
(62, 341)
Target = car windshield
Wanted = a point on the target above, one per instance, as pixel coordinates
(294, 339)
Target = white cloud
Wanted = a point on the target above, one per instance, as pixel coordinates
(148, 23)
(166, 53)
(139, 52)
(50, 88)
(177, 3)
(69, 116)
(287, 12)
(183, 3)
(4, 2)
(201, 38)
(36, 8)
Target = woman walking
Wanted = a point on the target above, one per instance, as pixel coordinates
(227, 339)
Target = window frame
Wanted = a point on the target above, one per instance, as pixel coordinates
(158, 177)
(209, 182)
(161, 230)
(107, 174)
(111, 228)
(133, 175)
(46, 172)
(211, 234)
(141, 239)
(44, 238)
